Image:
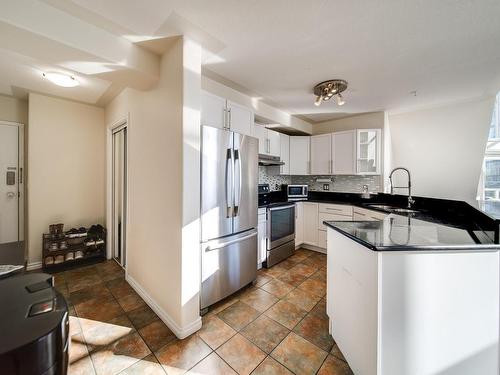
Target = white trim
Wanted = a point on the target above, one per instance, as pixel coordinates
(180, 332)
(34, 266)
(312, 247)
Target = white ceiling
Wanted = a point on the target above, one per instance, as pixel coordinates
(446, 50)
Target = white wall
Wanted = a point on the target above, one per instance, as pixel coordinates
(163, 135)
(13, 109)
(373, 120)
(260, 109)
(66, 167)
(443, 147)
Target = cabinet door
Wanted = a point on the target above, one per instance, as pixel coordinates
(368, 151)
(344, 152)
(260, 132)
(310, 223)
(299, 155)
(240, 118)
(274, 142)
(213, 110)
(321, 154)
(285, 153)
(299, 223)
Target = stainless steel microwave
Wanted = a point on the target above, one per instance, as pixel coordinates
(296, 192)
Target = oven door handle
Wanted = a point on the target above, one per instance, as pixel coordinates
(281, 207)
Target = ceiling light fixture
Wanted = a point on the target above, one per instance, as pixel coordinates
(326, 90)
(60, 79)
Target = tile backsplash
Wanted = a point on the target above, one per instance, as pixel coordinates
(351, 184)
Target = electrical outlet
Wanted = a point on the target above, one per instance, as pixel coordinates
(326, 186)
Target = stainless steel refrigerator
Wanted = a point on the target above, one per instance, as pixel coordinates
(229, 203)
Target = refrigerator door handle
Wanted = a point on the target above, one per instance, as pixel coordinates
(229, 183)
(220, 245)
(237, 180)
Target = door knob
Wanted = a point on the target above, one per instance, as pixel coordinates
(11, 194)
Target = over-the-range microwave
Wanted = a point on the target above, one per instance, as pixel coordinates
(296, 192)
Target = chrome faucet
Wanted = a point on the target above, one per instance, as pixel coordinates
(410, 199)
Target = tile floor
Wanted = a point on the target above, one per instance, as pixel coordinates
(277, 326)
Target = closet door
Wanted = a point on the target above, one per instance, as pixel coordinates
(119, 186)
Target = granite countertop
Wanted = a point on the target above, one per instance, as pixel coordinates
(406, 233)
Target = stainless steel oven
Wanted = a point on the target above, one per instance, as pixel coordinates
(280, 243)
(296, 192)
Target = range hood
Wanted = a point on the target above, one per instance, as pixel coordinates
(268, 161)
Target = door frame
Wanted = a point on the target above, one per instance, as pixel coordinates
(110, 130)
(22, 214)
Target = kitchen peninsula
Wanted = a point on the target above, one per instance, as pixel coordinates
(414, 294)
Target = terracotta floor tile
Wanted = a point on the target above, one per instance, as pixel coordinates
(285, 313)
(287, 264)
(156, 335)
(259, 299)
(241, 354)
(319, 275)
(74, 325)
(337, 353)
(83, 366)
(215, 332)
(314, 286)
(146, 366)
(142, 316)
(265, 333)
(305, 252)
(88, 293)
(119, 288)
(222, 305)
(334, 366)
(304, 300)
(278, 288)
(212, 365)
(303, 269)
(180, 355)
(320, 309)
(131, 302)
(297, 257)
(77, 283)
(292, 278)
(238, 315)
(262, 279)
(99, 309)
(299, 355)
(272, 272)
(315, 330)
(120, 355)
(271, 367)
(99, 334)
(77, 349)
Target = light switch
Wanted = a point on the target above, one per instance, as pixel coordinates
(11, 178)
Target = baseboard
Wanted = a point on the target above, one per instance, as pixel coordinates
(180, 332)
(34, 266)
(312, 247)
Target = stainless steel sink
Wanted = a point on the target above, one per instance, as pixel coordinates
(386, 207)
(404, 210)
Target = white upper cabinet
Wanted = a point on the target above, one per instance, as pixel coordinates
(260, 132)
(344, 152)
(285, 153)
(274, 142)
(213, 110)
(321, 154)
(299, 155)
(240, 118)
(368, 151)
(224, 114)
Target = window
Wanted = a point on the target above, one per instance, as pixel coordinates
(489, 184)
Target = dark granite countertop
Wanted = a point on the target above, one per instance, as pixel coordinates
(406, 233)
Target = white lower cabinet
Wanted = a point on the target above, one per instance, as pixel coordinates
(299, 223)
(363, 214)
(310, 223)
(322, 238)
(261, 235)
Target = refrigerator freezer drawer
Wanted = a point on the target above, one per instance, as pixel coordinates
(227, 266)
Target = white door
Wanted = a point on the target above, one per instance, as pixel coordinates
(119, 152)
(260, 132)
(299, 155)
(321, 154)
(213, 110)
(274, 142)
(344, 152)
(285, 153)
(241, 118)
(9, 184)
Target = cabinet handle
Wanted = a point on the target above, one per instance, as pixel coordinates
(230, 119)
(333, 209)
(224, 120)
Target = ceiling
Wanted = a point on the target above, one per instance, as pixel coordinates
(444, 50)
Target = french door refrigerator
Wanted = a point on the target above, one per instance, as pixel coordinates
(229, 203)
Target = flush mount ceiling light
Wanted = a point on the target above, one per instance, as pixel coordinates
(324, 91)
(60, 79)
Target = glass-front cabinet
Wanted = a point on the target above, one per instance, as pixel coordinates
(368, 150)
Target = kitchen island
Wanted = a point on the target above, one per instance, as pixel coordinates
(412, 295)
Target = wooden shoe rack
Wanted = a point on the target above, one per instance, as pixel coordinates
(67, 246)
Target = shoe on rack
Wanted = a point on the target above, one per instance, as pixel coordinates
(79, 254)
(53, 246)
(49, 260)
(59, 259)
(90, 242)
(69, 256)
